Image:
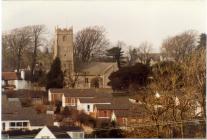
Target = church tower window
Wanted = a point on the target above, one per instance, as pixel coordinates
(64, 38)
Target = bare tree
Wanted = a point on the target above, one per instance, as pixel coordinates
(37, 38)
(89, 42)
(144, 51)
(156, 108)
(132, 55)
(179, 46)
(18, 41)
(195, 75)
(71, 80)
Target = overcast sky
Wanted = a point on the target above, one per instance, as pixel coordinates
(130, 21)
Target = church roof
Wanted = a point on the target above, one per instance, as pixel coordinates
(96, 68)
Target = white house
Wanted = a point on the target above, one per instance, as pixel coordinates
(14, 80)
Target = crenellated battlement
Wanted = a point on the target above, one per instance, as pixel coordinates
(64, 30)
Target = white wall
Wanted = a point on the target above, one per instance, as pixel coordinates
(63, 101)
(21, 84)
(84, 107)
(46, 133)
(49, 96)
(8, 127)
(198, 109)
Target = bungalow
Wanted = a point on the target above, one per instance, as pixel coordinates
(69, 97)
(105, 111)
(64, 132)
(87, 104)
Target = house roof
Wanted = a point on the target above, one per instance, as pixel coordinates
(116, 103)
(9, 107)
(10, 76)
(65, 128)
(12, 110)
(21, 134)
(95, 100)
(61, 132)
(82, 92)
(96, 68)
(133, 111)
(24, 93)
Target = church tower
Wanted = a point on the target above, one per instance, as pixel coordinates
(63, 48)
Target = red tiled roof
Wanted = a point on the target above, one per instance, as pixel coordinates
(10, 76)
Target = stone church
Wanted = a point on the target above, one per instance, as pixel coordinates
(87, 73)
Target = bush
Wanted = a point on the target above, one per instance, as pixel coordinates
(66, 112)
(26, 102)
(40, 108)
(58, 107)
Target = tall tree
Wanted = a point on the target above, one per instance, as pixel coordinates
(89, 42)
(37, 32)
(55, 77)
(117, 53)
(17, 41)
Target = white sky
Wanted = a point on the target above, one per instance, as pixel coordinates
(130, 21)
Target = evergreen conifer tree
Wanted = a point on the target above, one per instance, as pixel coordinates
(55, 77)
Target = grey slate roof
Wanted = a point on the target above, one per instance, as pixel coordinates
(95, 100)
(96, 68)
(133, 111)
(61, 132)
(82, 92)
(12, 110)
(116, 103)
(24, 93)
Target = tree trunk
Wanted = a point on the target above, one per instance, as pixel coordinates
(181, 129)
(18, 60)
(158, 133)
(33, 61)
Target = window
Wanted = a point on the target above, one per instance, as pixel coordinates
(73, 101)
(3, 126)
(45, 137)
(77, 135)
(88, 107)
(24, 123)
(105, 113)
(12, 124)
(64, 38)
(86, 80)
(19, 123)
